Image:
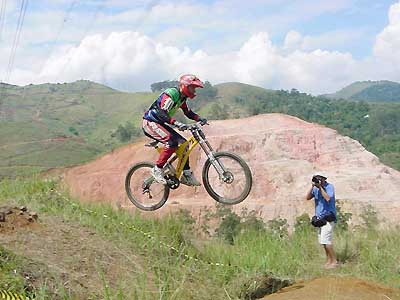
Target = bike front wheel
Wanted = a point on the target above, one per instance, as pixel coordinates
(228, 178)
(142, 190)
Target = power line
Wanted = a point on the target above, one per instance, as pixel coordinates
(2, 17)
(14, 47)
(61, 28)
(2, 22)
(95, 15)
(99, 8)
(17, 35)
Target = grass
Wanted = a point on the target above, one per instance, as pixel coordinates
(37, 113)
(8, 263)
(174, 273)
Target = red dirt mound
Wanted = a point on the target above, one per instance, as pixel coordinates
(15, 218)
(336, 288)
(283, 153)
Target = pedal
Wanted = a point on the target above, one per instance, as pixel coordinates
(172, 182)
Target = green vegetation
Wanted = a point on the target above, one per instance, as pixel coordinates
(375, 125)
(245, 246)
(162, 85)
(8, 263)
(127, 132)
(387, 91)
(372, 91)
(57, 125)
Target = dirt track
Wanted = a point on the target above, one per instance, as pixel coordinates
(83, 262)
(336, 288)
(68, 257)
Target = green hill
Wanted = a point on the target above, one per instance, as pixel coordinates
(372, 91)
(375, 125)
(57, 125)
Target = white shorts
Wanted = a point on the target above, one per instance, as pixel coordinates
(325, 233)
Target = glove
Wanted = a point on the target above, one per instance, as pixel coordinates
(180, 126)
(203, 121)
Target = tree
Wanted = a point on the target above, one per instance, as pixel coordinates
(126, 132)
(122, 134)
(208, 91)
(162, 85)
(73, 130)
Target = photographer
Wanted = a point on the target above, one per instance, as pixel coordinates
(325, 215)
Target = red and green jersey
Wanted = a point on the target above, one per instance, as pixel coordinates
(166, 105)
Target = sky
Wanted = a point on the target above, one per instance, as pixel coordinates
(314, 46)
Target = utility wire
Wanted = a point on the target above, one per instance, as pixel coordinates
(60, 30)
(17, 35)
(148, 7)
(2, 17)
(2, 22)
(95, 15)
(14, 47)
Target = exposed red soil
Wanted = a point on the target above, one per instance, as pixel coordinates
(13, 219)
(69, 258)
(336, 288)
(283, 153)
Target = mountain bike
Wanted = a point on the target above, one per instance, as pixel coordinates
(226, 177)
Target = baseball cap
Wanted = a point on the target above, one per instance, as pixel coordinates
(321, 175)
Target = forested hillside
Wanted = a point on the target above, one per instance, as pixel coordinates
(375, 125)
(371, 91)
(56, 125)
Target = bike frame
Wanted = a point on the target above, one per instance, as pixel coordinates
(213, 168)
(183, 152)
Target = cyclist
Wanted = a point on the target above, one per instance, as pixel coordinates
(161, 113)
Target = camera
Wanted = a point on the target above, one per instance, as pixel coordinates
(316, 180)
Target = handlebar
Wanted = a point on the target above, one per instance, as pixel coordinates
(191, 127)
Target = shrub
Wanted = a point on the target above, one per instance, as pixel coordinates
(302, 223)
(369, 218)
(342, 217)
(278, 227)
(229, 227)
(250, 221)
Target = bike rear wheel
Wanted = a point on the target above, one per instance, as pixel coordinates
(235, 185)
(142, 190)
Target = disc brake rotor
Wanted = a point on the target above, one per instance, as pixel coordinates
(228, 177)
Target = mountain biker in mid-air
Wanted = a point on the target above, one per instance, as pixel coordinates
(160, 114)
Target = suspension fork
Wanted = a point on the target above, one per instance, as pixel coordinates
(206, 146)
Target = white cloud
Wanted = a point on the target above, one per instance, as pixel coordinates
(387, 45)
(257, 61)
(293, 41)
(132, 60)
(325, 41)
(176, 35)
